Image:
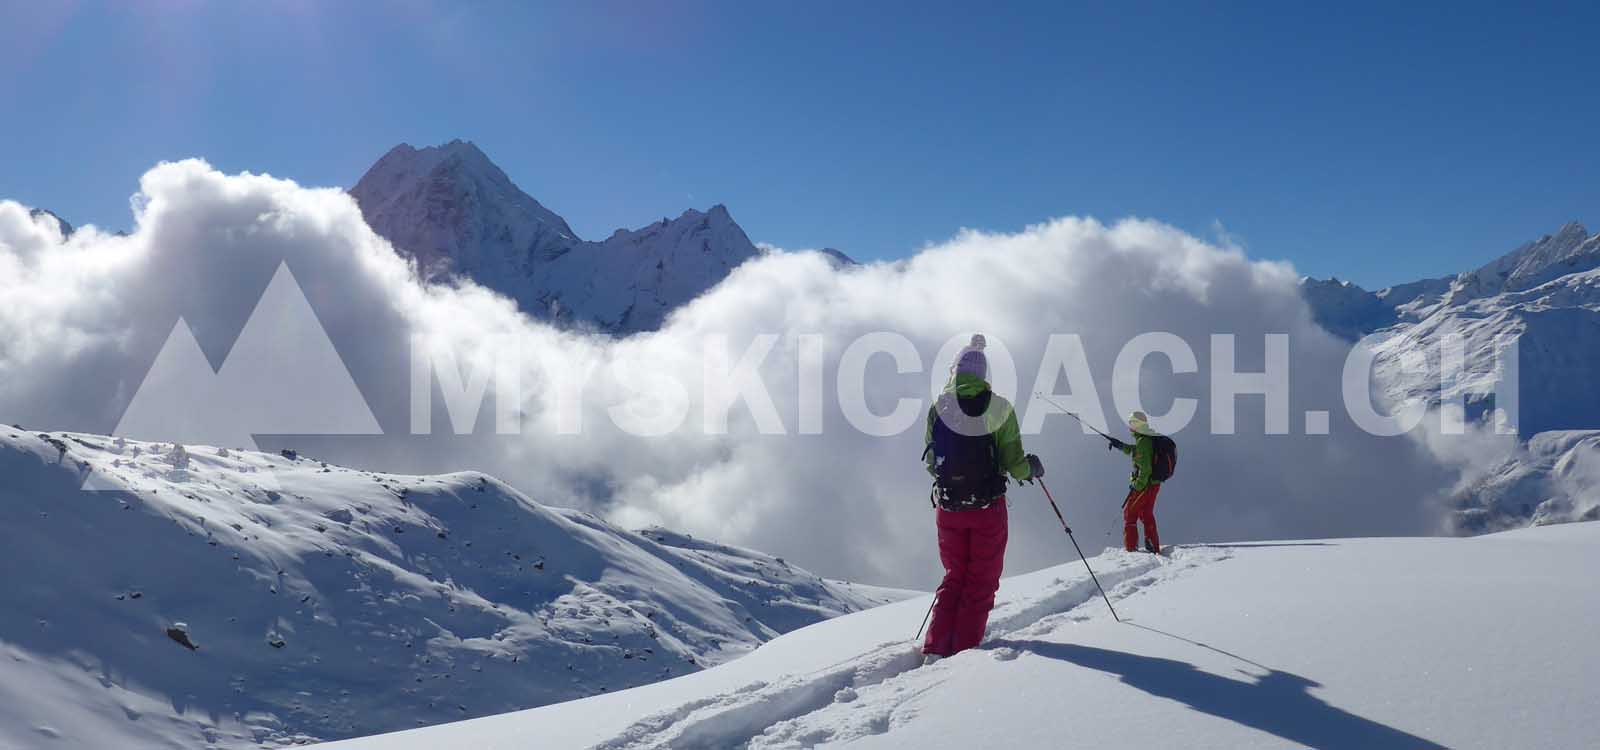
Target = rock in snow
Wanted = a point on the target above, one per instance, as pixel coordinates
(62, 226)
(303, 615)
(457, 214)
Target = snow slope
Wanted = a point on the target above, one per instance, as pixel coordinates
(456, 213)
(328, 603)
(1399, 643)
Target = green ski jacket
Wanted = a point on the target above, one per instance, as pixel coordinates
(1143, 451)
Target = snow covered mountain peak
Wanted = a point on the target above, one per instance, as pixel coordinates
(715, 227)
(1552, 256)
(635, 278)
(456, 213)
(458, 156)
(717, 215)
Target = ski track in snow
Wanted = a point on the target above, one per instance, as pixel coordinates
(871, 693)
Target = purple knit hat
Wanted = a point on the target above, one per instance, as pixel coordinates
(972, 360)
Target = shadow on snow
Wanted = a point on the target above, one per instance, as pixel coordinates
(1279, 703)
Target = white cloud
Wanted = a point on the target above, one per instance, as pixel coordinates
(84, 319)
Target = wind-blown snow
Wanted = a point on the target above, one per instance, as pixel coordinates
(1391, 644)
(326, 602)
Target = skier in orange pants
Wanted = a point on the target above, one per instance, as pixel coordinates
(1140, 506)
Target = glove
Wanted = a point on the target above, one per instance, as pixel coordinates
(1035, 467)
(1112, 442)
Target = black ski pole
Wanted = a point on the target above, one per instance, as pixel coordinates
(926, 616)
(1063, 409)
(1075, 546)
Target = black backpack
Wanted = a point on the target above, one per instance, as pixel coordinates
(1165, 460)
(966, 460)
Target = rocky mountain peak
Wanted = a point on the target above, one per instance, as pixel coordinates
(457, 214)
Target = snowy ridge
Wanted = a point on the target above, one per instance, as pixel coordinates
(633, 279)
(1569, 250)
(457, 215)
(1383, 644)
(323, 602)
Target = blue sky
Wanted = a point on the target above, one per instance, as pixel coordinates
(1377, 143)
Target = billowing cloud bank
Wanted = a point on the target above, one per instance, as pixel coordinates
(83, 319)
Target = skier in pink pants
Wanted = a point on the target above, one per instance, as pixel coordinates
(973, 442)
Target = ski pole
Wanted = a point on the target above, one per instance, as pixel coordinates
(1063, 409)
(1075, 546)
(926, 616)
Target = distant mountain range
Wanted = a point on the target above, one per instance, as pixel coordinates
(1547, 294)
(1546, 291)
(457, 214)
